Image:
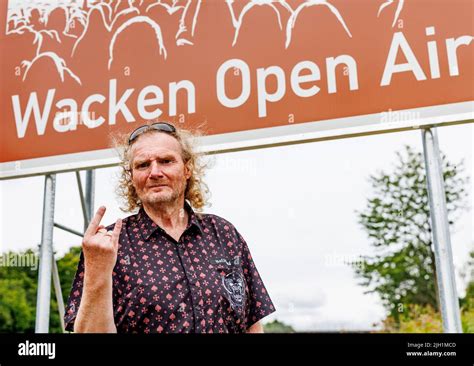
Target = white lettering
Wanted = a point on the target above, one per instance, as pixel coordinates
(120, 106)
(41, 119)
(37, 349)
(332, 63)
(69, 116)
(433, 54)
(144, 102)
(263, 95)
(85, 115)
(233, 64)
(296, 78)
(399, 42)
(451, 49)
(173, 91)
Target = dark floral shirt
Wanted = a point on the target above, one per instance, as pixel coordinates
(206, 282)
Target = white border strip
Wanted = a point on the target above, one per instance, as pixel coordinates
(369, 124)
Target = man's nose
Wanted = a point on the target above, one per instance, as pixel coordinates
(155, 169)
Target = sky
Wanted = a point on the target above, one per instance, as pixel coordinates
(295, 206)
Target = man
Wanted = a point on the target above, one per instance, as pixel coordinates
(165, 269)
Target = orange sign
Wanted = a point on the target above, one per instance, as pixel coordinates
(73, 71)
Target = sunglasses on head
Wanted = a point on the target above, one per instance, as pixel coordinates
(158, 126)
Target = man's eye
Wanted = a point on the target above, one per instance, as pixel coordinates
(166, 161)
(142, 165)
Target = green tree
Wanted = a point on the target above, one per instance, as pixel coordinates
(18, 291)
(15, 312)
(277, 326)
(396, 219)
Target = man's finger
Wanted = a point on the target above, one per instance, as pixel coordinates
(94, 224)
(116, 232)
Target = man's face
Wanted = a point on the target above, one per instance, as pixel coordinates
(159, 174)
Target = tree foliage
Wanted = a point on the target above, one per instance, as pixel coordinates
(18, 291)
(277, 326)
(397, 221)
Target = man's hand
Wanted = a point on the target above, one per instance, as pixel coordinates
(96, 313)
(99, 246)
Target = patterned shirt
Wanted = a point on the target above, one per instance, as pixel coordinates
(206, 282)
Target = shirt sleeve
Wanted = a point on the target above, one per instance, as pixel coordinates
(74, 299)
(260, 303)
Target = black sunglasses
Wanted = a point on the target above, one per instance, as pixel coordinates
(158, 126)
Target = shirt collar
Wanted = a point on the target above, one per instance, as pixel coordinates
(148, 226)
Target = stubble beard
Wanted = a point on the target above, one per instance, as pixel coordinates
(161, 198)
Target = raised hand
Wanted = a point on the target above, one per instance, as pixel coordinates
(100, 246)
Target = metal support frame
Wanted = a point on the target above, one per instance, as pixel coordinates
(448, 297)
(48, 268)
(68, 229)
(81, 196)
(46, 257)
(58, 292)
(89, 199)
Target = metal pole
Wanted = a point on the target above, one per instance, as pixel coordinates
(90, 187)
(448, 297)
(46, 257)
(59, 293)
(81, 196)
(68, 229)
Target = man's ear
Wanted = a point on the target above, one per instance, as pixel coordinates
(187, 170)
